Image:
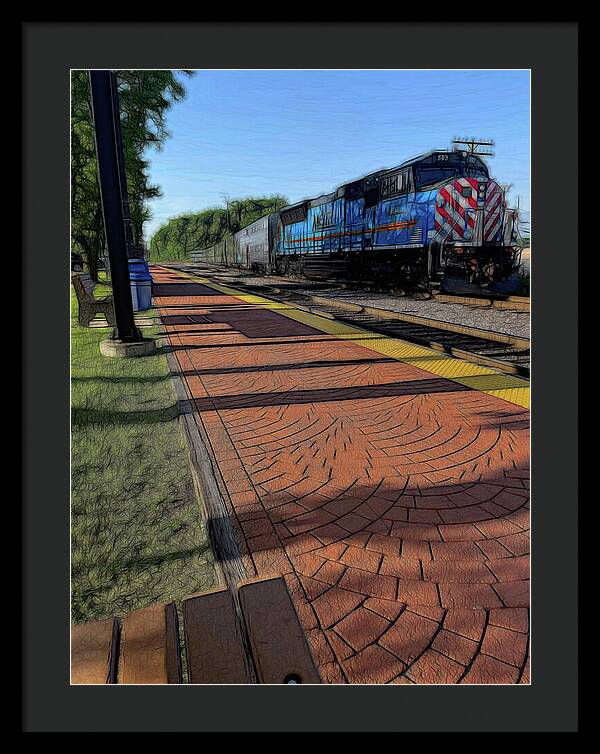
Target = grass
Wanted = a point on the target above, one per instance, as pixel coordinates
(137, 533)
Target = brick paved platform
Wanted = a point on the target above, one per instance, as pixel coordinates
(386, 482)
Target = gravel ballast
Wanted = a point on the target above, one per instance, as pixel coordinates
(503, 321)
(497, 320)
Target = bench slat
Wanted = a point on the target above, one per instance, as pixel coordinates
(213, 639)
(94, 652)
(84, 287)
(277, 639)
(149, 647)
(173, 654)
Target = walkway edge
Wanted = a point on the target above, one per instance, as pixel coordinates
(227, 557)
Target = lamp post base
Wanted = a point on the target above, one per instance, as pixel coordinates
(122, 349)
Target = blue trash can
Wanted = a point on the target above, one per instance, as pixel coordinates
(141, 284)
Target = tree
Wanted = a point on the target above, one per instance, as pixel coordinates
(144, 98)
(185, 233)
(87, 230)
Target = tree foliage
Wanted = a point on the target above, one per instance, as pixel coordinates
(185, 233)
(144, 98)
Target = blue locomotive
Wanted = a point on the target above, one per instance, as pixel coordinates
(436, 219)
(433, 218)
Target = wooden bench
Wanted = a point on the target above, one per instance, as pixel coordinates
(265, 644)
(90, 306)
(94, 652)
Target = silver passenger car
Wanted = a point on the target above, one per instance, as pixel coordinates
(254, 243)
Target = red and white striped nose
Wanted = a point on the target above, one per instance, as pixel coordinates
(454, 216)
(459, 205)
(492, 211)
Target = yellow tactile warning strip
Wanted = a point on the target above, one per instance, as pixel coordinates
(507, 387)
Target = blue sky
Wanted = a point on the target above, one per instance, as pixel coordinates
(303, 133)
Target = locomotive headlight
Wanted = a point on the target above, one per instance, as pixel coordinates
(482, 188)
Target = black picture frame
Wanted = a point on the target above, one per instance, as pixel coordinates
(49, 51)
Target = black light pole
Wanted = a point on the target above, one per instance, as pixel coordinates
(107, 126)
(129, 239)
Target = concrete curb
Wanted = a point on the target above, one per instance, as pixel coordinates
(228, 559)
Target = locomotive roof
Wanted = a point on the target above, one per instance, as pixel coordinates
(324, 198)
(407, 163)
(424, 157)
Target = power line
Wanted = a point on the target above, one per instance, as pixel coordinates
(474, 144)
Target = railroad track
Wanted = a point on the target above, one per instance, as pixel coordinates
(513, 303)
(480, 301)
(507, 353)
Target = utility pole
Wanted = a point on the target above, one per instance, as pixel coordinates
(126, 339)
(227, 215)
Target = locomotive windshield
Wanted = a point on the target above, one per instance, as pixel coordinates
(428, 175)
(428, 172)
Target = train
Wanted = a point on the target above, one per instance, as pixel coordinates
(436, 221)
